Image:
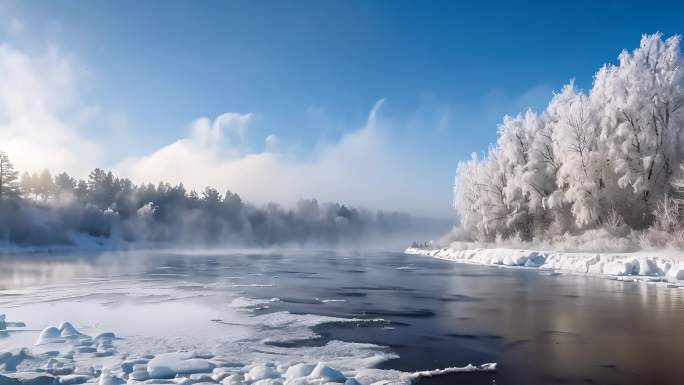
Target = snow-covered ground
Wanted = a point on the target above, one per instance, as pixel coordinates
(665, 267)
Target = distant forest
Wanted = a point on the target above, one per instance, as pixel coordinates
(39, 209)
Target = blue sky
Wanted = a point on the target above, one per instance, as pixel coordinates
(310, 72)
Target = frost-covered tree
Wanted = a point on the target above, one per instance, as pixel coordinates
(27, 185)
(641, 101)
(65, 183)
(8, 177)
(45, 186)
(590, 159)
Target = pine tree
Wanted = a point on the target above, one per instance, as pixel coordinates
(8, 178)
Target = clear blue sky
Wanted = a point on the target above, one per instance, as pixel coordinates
(312, 70)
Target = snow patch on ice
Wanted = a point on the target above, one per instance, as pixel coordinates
(251, 304)
(325, 300)
(489, 367)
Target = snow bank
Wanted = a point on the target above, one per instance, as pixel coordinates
(651, 267)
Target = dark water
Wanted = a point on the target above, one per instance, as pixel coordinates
(540, 329)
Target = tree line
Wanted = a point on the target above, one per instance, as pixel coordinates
(39, 209)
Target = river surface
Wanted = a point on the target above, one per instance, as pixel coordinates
(539, 328)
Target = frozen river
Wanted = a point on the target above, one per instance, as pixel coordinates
(372, 315)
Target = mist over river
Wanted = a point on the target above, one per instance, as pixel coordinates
(376, 314)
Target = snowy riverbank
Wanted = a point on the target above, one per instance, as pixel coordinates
(666, 266)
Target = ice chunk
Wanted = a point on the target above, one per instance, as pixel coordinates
(86, 370)
(139, 375)
(58, 367)
(234, 379)
(218, 374)
(49, 335)
(201, 377)
(535, 259)
(168, 365)
(268, 381)
(128, 365)
(106, 335)
(260, 372)
(27, 378)
(351, 381)
(299, 370)
(647, 267)
(10, 359)
(106, 378)
(67, 330)
(73, 379)
(676, 273)
(104, 352)
(619, 268)
(327, 373)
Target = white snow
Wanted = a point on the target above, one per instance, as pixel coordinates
(66, 356)
(654, 266)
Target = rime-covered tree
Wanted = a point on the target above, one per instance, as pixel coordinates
(65, 183)
(589, 159)
(8, 177)
(27, 185)
(45, 186)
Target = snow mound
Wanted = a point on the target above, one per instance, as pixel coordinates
(83, 343)
(638, 265)
(50, 334)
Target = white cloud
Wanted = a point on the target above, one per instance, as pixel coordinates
(361, 168)
(226, 130)
(39, 114)
(45, 123)
(272, 143)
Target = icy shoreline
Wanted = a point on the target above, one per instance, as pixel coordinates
(645, 266)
